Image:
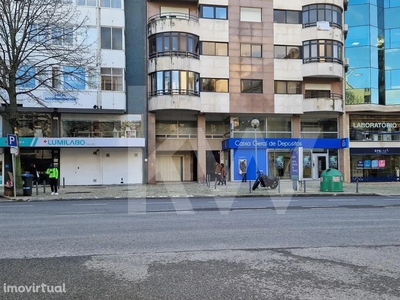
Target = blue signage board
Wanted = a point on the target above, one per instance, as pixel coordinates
(294, 164)
(12, 140)
(285, 143)
(360, 164)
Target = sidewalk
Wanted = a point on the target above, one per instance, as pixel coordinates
(193, 189)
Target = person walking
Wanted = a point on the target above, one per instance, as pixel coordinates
(223, 174)
(52, 172)
(218, 169)
(243, 170)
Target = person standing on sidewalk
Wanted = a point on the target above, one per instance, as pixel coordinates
(218, 169)
(223, 174)
(243, 170)
(52, 172)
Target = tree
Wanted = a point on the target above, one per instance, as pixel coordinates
(43, 47)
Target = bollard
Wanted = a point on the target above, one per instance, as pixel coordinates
(250, 186)
(279, 185)
(215, 184)
(63, 182)
(357, 186)
(37, 188)
(305, 189)
(44, 186)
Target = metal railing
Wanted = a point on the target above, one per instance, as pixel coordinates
(323, 94)
(166, 92)
(172, 15)
(171, 53)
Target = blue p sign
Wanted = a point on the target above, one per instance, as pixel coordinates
(12, 140)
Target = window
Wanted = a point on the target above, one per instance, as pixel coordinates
(250, 50)
(55, 77)
(214, 85)
(322, 12)
(322, 51)
(287, 87)
(213, 12)
(251, 86)
(74, 78)
(287, 16)
(250, 14)
(111, 38)
(86, 2)
(110, 3)
(214, 49)
(287, 52)
(112, 79)
(173, 43)
(25, 77)
(175, 82)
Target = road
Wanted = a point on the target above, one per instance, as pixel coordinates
(243, 248)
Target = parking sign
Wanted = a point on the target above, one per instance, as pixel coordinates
(12, 140)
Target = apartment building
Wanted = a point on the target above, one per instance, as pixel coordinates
(95, 134)
(215, 66)
(373, 90)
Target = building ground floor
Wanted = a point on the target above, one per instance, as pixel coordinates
(374, 133)
(185, 147)
(81, 161)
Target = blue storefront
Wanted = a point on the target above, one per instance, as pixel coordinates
(272, 156)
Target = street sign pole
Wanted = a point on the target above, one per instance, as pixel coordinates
(15, 173)
(12, 140)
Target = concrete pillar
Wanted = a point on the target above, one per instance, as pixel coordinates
(151, 143)
(201, 147)
(296, 126)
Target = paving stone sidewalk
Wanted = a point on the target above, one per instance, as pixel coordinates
(192, 189)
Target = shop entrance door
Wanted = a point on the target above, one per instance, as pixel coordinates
(320, 164)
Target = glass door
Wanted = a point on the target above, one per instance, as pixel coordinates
(319, 164)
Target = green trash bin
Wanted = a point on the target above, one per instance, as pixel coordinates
(331, 181)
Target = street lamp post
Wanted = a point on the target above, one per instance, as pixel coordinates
(255, 123)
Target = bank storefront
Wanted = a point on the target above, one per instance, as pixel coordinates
(374, 148)
(273, 155)
(81, 161)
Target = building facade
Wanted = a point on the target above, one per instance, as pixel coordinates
(373, 90)
(214, 66)
(96, 134)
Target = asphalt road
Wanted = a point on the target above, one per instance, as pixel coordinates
(244, 248)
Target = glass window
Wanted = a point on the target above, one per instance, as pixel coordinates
(293, 17)
(117, 38)
(112, 79)
(176, 82)
(116, 4)
(287, 52)
(251, 86)
(279, 16)
(322, 51)
(221, 13)
(207, 12)
(250, 14)
(214, 85)
(245, 50)
(221, 49)
(287, 87)
(279, 51)
(280, 87)
(322, 12)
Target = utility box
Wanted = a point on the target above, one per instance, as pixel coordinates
(331, 181)
(28, 182)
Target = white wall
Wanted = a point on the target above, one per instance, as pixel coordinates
(80, 166)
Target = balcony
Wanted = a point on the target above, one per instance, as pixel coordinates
(323, 101)
(323, 67)
(178, 22)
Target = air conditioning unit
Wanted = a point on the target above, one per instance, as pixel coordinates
(345, 30)
(346, 64)
(345, 3)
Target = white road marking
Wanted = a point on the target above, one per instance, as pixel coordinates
(90, 204)
(342, 200)
(158, 202)
(19, 205)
